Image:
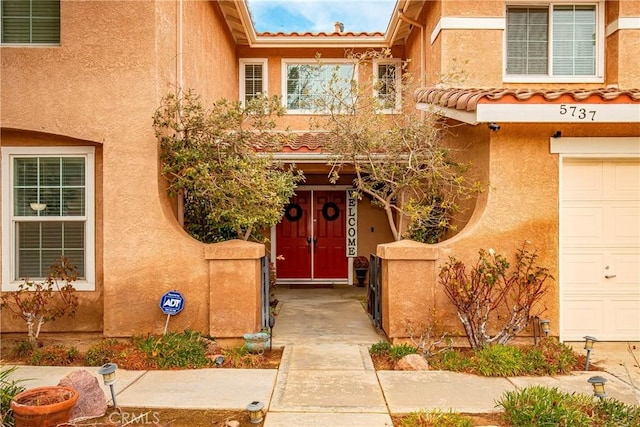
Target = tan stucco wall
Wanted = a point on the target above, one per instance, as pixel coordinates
(521, 204)
(275, 58)
(234, 288)
(101, 86)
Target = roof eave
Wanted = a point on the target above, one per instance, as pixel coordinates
(469, 117)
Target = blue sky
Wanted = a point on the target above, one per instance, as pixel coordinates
(320, 15)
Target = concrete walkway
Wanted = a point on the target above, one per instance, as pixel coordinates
(326, 376)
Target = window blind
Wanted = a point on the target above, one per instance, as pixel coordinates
(49, 211)
(30, 21)
(574, 46)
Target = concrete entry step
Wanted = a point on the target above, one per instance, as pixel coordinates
(323, 316)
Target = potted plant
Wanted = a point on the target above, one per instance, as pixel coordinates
(44, 406)
(257, 343)
(361, 265)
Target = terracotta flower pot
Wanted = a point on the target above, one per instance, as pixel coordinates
(44, 406)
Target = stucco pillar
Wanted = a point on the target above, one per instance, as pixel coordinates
(408, 286)
(234, 288)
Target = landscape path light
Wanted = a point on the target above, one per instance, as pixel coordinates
(255, 412)
(598, 386)
(588, 345)
(544, 325)
(108, 372)
(272, 323)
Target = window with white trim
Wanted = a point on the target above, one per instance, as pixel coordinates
(253, 79)
(387, 84)
(48, 212)
(311, 87)
(30, 21)
(558, 40)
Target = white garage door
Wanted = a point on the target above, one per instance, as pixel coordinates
(600, 289)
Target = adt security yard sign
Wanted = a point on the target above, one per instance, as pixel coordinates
(171, 303)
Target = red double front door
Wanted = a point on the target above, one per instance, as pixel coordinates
(311, 237)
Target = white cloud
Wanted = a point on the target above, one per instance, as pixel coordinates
(320, 15)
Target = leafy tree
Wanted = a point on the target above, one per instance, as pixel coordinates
(219, 160)
(398, 158)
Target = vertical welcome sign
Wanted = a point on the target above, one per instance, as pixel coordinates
(352, 223)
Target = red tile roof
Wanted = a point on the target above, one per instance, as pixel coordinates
(301, 142)
(467, 99)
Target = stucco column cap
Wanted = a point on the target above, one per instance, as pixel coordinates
(234, 249)
(407, 250)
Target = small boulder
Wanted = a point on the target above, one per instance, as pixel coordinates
(412, 362)
(212, 347)
(91, 400)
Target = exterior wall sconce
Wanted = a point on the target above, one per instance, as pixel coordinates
(598, 386)
(108, 372)
(588, 345)
(255, 412)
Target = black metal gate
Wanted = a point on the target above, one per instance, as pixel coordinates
(374, 291)
(264, 290)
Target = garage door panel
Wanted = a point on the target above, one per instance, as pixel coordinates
(625, 317)
(583, 317)
(625, 224)
(626, 269)
(583, 225)
(623, 180)
(583, 180)
(582, 270)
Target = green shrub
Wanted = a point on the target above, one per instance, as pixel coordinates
(399, 351)
(8, 389)
(559, 357)
(436, 419)
(23, 349)
(611, 412)
(381, 348)
(451, 360)
(498, 361)
(55, 355)
(539, 406)
(175, 350)
(534, 362)
(102, 352)
(241, 357)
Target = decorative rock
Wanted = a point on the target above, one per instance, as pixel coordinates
(412, 362)
(91, 401)
(232, 423)
(212, 347)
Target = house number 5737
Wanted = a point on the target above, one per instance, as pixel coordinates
(576, 112)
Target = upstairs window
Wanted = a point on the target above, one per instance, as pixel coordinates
(312, 87)
(253, 79)
(387, 84)
(556, 41)
(30, 21)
